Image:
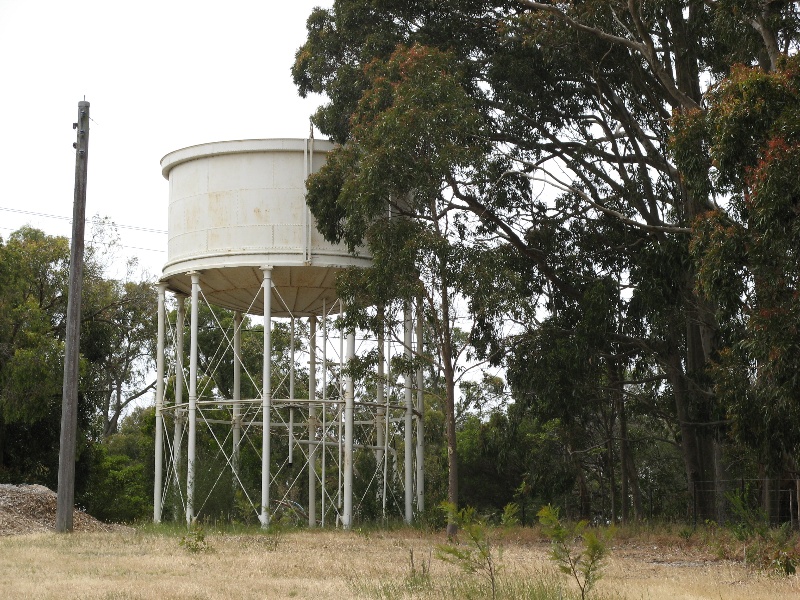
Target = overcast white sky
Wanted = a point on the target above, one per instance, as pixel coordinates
(160, 75)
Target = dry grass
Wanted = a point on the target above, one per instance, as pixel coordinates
(335, 564)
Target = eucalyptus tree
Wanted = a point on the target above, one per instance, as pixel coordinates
(33, 281)
(391, 196)
(479, 104)
(747, 251)
(118, 343)
(116, 348)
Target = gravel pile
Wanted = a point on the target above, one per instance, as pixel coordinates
(32, 509)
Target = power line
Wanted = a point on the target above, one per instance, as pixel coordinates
(35, 214)
(145, 249)
(162, 251)
(63, 218)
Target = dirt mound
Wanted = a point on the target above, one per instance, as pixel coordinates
(32, 509)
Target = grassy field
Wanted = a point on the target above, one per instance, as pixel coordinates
(165, 563)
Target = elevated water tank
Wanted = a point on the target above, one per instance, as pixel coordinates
(238, 206)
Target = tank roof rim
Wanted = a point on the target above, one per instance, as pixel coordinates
(223, 147)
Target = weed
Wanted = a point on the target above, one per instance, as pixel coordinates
(544, 586)
(479, 556)
(510, 517)
(582, 563)
(276, 531)
(686, 533)
(418, 578)
(784, 561)
(195, 540)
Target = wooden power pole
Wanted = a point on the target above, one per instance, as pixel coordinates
(69, 404)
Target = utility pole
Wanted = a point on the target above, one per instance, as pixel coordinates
(69, 403)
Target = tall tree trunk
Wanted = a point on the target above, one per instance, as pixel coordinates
(684, 39)
(697, 400)
(636, 492)
(766, 492)
(721, 476)
(688, 445)
(797, 497)
(615, 379)
(107, 406)
(450, 398)
(583, 487)
(623, 488)
(630, 478)
(452, 449)
(602, 495)
(612, 478)
(703, 416)
(612, 484)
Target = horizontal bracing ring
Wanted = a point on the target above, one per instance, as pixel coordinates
(283, 402)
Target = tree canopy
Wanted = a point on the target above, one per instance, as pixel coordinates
(116, 354)
(577, 148)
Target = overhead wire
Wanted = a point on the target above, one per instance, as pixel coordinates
(89, 222)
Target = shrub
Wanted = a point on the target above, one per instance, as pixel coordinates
(583, 562)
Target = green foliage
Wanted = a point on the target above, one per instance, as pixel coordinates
(479, 555)
(686, 533)
(117, 340)
(498, 452)
(748, 521)
(117, 491)
(32, 312)
(195, 540)
(747, 109)
(409, 130)
(762, 545)
(120, 487)
(33, 282)
(689, 143)
(584, 564)
(545, 167)
(747, 255)
(784, 557)
(410, 126)
(510, 516)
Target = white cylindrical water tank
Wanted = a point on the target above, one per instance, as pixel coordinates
(238, 206)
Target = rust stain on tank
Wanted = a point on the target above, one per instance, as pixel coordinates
(219, 208)
(191, 214)
(261, 214)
